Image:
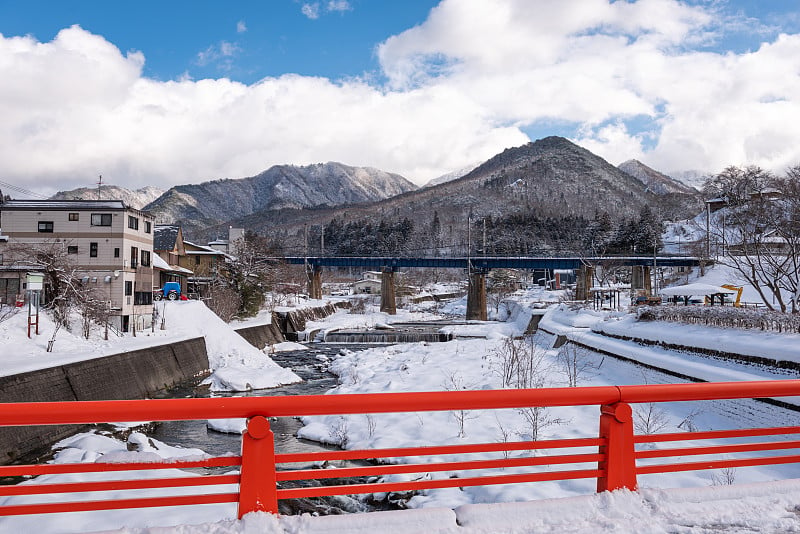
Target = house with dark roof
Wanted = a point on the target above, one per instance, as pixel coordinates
(169, 246)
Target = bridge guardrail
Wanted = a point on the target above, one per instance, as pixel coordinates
(611, 457)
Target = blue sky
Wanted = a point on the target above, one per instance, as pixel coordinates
(164, 93)
(266, 38)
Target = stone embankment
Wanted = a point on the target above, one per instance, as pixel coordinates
(135, 374)
(294, 321)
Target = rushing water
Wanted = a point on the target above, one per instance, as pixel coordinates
(312, 366)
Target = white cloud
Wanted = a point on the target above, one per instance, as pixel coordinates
(241, 27)
(76, 107)
(462, 86)
(311, 10)
(339, 5)
(220, 54)
(593, 63)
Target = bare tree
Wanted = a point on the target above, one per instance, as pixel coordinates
(522, 364)
(250, 273)
(577, 363)
(649, 418)
(501, 284)
(455, 382)
(223, 300)
(758, 232)
(61, 280)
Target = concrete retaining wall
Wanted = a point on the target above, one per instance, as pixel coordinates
(294, 321)
(262, 335)
(130, 375)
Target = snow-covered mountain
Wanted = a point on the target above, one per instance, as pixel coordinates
(655, 181)
(694, 178)
(138, 198)
(450, 176)
(203, 205)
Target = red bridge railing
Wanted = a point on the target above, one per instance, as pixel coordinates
(611, 457)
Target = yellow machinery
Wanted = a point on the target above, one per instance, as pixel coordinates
(738, 290)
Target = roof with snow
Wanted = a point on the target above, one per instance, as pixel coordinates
(63, 204)
(165, 236)
(695, 289)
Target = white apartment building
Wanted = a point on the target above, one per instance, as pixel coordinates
(110, 244)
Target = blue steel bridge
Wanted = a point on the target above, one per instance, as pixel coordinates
(478, 266)
(493, 262)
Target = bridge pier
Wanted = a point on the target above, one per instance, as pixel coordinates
(584, 282)
(640, 278)
(476, 296)
(314, 282)
(388, 303)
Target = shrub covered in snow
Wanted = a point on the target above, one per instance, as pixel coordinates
(723, 316)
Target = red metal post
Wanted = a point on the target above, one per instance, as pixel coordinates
(618, 468)
(257, 486)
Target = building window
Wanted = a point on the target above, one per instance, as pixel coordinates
(128, 288)
(142, 298)
(73, 217)
(92, 250)
(197, 260)
(116, 252)
(133, 222)
(145, 258)
(148, 227)
(46, 227)
(72, 249)
(101, 219)
(134, 257)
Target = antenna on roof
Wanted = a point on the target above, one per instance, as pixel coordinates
(99, 183)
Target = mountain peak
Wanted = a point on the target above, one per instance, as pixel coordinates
(657, 182)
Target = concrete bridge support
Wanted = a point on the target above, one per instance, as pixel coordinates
(584, 282)
(388, 303)
(476, 296)
(640, 278)
(314, 282)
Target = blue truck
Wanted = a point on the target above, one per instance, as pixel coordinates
(170, 291)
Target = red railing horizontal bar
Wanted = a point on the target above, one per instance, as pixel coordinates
(439, 450)
(81, 412)
(307, 474)
(117, 504)
(114, 485)
(716, 464)
(353, 489)
(718, 449)
(695, 391)
(100, 467)
(716, 434)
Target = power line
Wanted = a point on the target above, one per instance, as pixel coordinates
(21, 190)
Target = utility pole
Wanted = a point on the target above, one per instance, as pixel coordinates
(99, 183)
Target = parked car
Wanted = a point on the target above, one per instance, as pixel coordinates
(170, 291)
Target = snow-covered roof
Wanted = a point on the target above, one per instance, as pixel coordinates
(63, 204)
(203, 249)
(695, 289)
(159, 263)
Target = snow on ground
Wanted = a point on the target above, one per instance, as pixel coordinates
(766, 507)
(759, 500)
(236, 365)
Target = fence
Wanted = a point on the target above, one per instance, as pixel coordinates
(611, 457)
